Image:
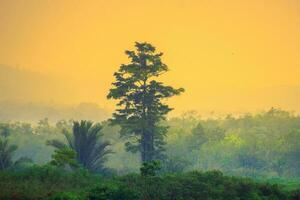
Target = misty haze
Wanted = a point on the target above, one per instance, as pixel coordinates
(149, 100)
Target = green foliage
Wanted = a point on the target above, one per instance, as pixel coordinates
(197, 186)
(65, 196)
(64, 157)
(198, 137)
(22, 162)
(262, 145)
(31, 141)
(174, 164)
(140, 101)
(52, 183)
(257, 145)
(43, 182)
(150, 168)
(288, 184)
(6, 151)
(113, 191)
(86, 141)
(4, 130)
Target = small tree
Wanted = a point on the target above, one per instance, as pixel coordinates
(64, 157)
(6, 152)
(198, 137)
(140, 96)
(86, 141)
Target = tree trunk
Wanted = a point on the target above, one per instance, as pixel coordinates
(147, 146)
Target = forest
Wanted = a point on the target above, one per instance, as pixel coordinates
(141, 153)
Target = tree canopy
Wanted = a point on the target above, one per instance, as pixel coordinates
(140, 100)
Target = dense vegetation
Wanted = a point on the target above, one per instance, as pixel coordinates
(256, 145)
(86, 160)
(264, 146)
(53, 183)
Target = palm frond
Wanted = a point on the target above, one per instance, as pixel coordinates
(86, 141)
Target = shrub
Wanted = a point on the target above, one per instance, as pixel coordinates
(112, 192)
(150, 168)
(65, 196)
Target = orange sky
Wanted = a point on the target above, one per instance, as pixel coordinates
(220, 51)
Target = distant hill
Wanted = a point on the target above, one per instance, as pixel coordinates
(252, 100)
(28, 96)
(23, 85)
(32, 112)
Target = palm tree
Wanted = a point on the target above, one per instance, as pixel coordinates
(7, 150)
(85, 140)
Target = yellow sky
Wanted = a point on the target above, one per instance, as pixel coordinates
(220, 51)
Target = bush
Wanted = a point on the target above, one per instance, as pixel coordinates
(112, 192)
(65, 196)
(150, 168)
(52, 183)
(42, 182)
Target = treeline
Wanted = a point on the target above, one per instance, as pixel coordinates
(32, 112)
(258, 145)
(266, 144)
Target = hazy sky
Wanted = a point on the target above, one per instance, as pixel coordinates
(220, 51)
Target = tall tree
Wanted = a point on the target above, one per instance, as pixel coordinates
(86, 141)
(140, 101)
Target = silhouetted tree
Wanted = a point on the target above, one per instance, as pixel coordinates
(86, 141)
(6, 152)
(140, 101)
